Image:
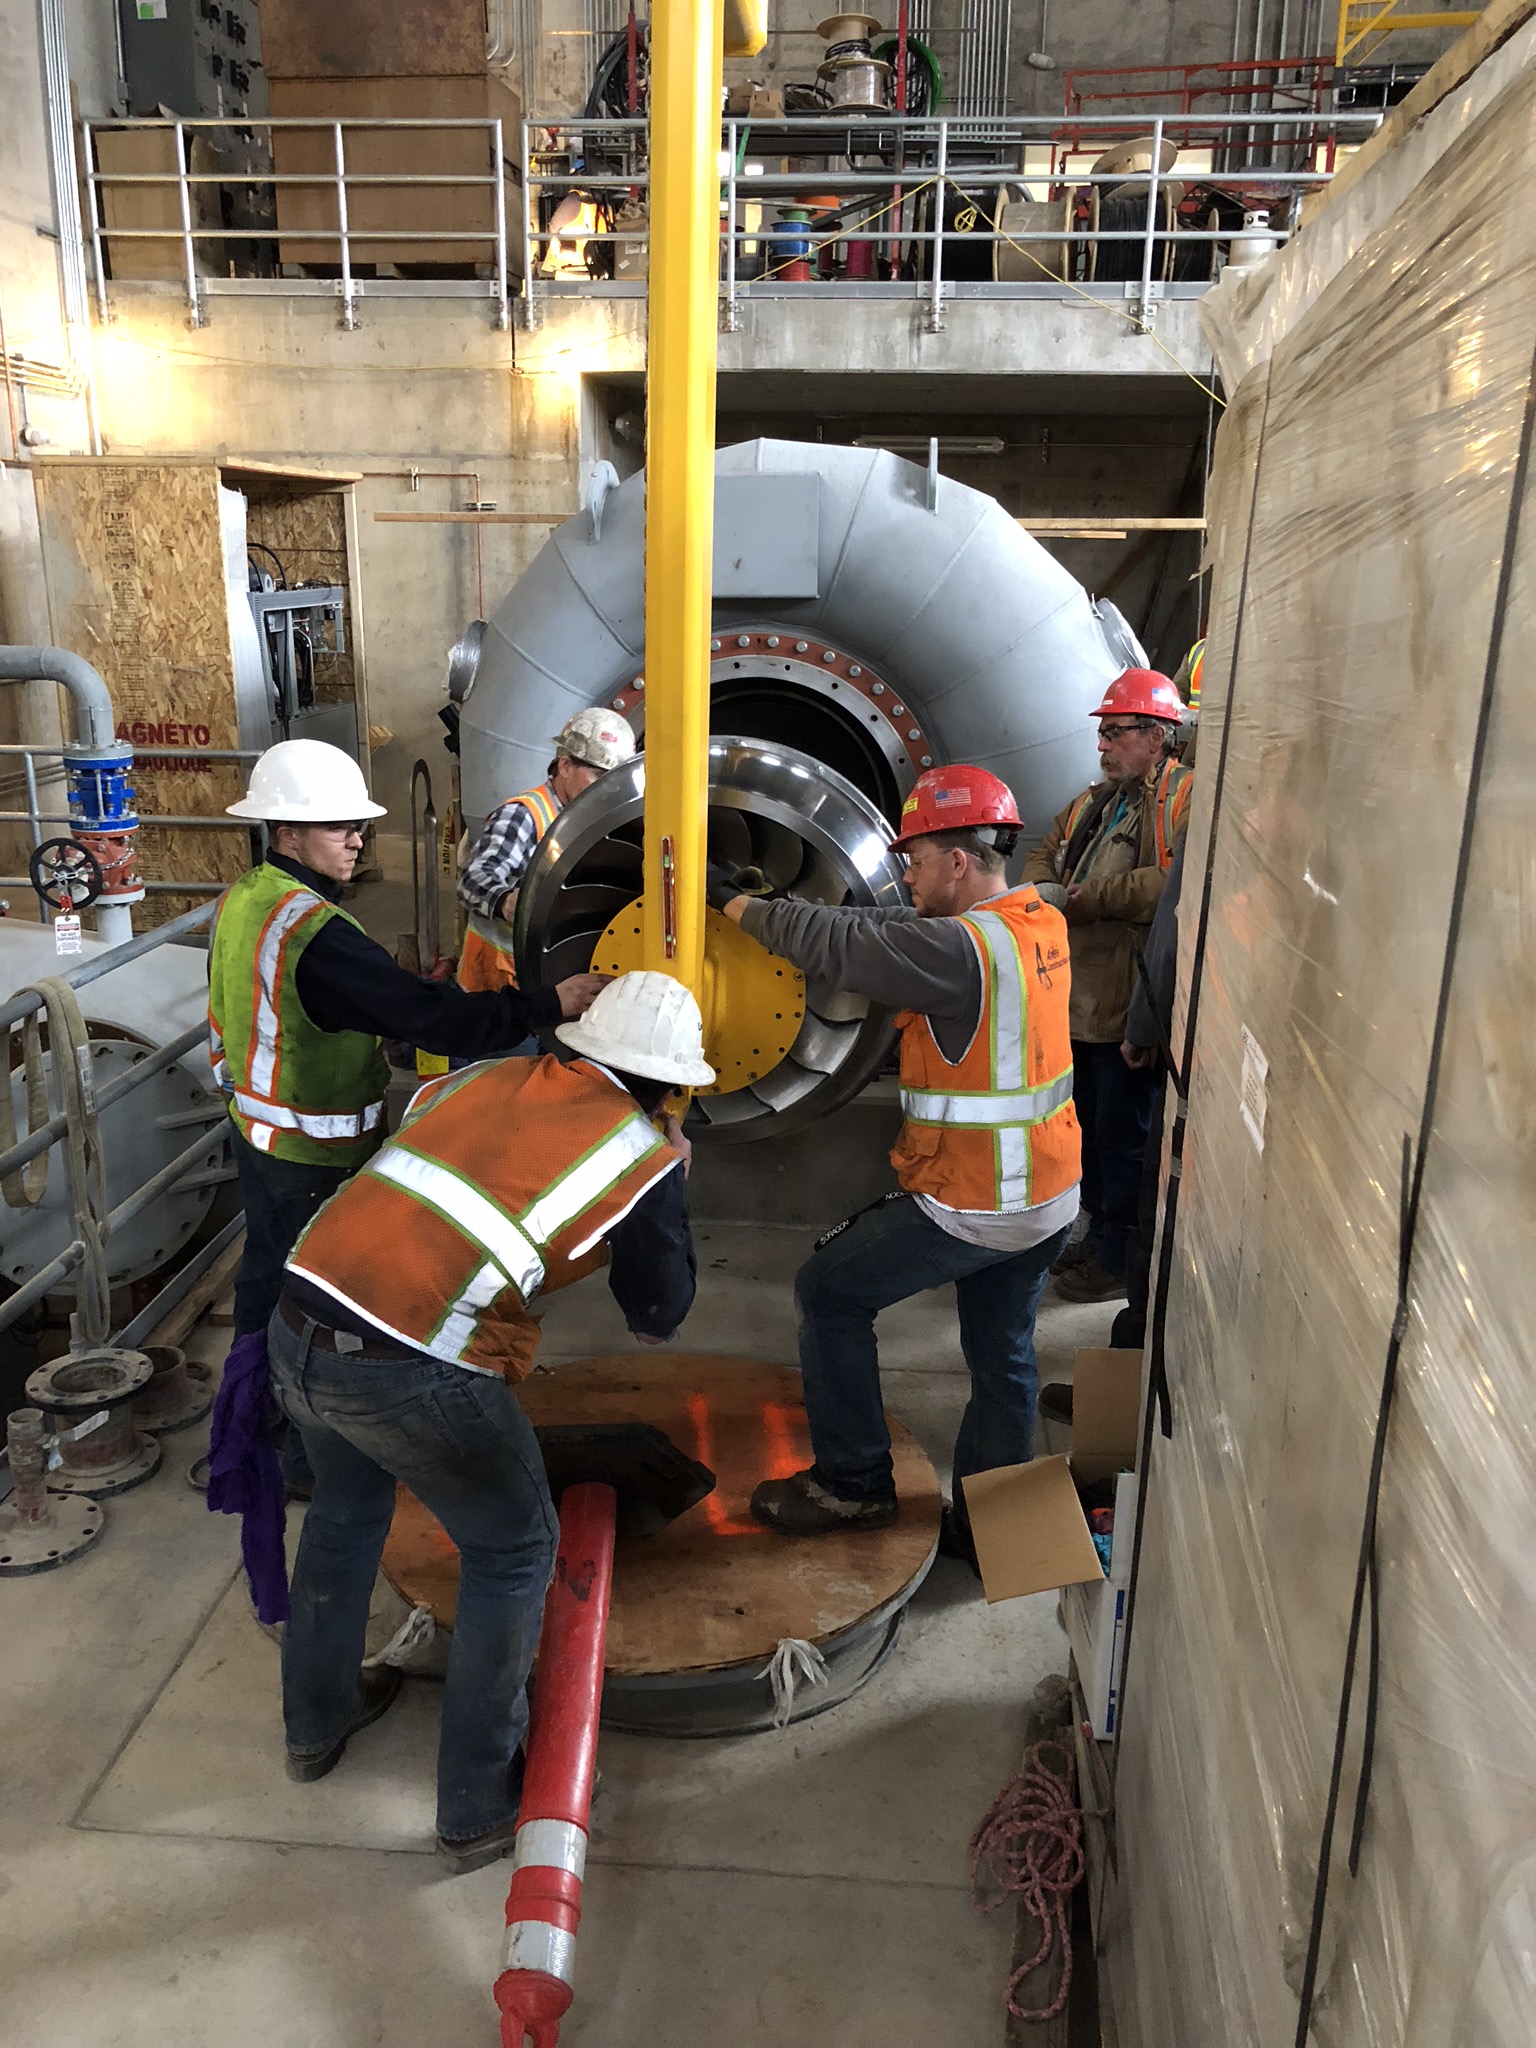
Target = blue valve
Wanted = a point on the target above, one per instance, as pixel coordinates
(101, 798)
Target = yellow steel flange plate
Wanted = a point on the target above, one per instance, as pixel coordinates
(753, 1004)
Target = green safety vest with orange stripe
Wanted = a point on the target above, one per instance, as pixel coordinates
(294, 1090)
(499, 1182)
(485, 960)
(1171, 798)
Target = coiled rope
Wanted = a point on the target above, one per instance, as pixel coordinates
(1029, 1846)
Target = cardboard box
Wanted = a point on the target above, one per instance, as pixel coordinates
(1094, 1617)
(754, 102)
(1032, 1535)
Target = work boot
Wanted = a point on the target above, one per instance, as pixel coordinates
(1055, 1403)
(473, 1852)
(802, 1506)
(1076, 1254)
(1090, 1281)
(955, 1540)
(381, 1688)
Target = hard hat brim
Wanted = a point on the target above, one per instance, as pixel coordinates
(650, 1066)
(266, 814)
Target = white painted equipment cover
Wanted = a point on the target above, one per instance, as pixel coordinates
(995, 647)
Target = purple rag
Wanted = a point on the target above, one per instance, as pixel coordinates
(244, 1477)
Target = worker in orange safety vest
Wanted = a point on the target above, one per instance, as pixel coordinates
(403, 1320)
(987, 1156)
(590, 745)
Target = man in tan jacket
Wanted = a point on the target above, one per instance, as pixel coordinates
(1104, 862)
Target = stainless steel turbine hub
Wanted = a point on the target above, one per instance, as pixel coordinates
(814, 835)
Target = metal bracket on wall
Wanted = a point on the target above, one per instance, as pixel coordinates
(1144, 301)
(601, 479)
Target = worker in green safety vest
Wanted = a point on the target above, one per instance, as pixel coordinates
(299, 998)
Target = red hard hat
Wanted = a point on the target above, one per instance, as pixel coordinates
(1141, 693)
(950, 799)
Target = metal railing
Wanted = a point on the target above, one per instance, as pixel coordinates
(34, 816)
(255, 147)
(914, 192)
(91, 1224)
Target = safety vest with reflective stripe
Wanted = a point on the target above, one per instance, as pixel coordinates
(1171, 804)
(485, 960)
(500, 1177)
(294, 1090)
(996, 1130)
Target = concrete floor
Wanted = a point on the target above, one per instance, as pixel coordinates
(163, 1886)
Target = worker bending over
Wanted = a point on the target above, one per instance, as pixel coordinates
(987, 1156)
(589, 745)
(1105, 860)
(403, 1321)
(299, 997)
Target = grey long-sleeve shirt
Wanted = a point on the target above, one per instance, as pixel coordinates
(906, 962)
(896, 958)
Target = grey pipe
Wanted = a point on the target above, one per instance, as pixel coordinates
(93, 701)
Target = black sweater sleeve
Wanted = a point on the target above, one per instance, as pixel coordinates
(652, 1268)
(347, 982)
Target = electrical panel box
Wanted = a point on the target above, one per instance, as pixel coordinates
(200, 58)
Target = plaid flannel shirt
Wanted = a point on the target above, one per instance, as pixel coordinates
(498, 859)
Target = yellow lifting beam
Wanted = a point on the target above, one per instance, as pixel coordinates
(688, 39)
(1361, 19)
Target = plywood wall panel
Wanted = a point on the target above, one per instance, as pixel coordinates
(135, 579)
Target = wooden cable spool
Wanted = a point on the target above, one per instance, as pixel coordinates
(1033, 262)
(700, 1609)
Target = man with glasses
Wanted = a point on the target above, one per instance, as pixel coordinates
(299, 999)
(1104, 863)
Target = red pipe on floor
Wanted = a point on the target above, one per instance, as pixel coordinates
(534, 1989)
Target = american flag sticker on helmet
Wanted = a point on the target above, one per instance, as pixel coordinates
(945, 799)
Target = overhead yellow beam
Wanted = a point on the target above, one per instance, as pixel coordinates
(680, 478)
(746, 27)
(1360, 19)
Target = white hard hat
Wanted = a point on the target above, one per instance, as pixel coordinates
(602, 739)
(644, 1023)
(306, 782)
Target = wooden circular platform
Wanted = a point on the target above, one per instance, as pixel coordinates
(714, 1590)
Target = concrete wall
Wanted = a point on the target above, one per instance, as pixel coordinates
(421, 384)
(433, 385)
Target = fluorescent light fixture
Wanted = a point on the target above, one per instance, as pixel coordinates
(918, 444)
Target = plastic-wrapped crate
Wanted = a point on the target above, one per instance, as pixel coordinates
(1362, 998)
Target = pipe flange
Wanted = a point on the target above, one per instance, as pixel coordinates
(88, 1397)
(823, 670)
(87, 1380)
(73, 1525)
(141, 1461)
(179, 1391)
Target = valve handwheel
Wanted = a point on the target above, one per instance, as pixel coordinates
(66, 874)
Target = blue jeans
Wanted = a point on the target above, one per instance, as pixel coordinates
(279, 1197)
(884, 1256)
(463, 1446)
(1114, 1106)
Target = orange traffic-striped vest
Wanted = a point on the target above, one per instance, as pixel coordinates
(486, 958)
(501, 1176)
(996, 1130)
(1171, 807)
